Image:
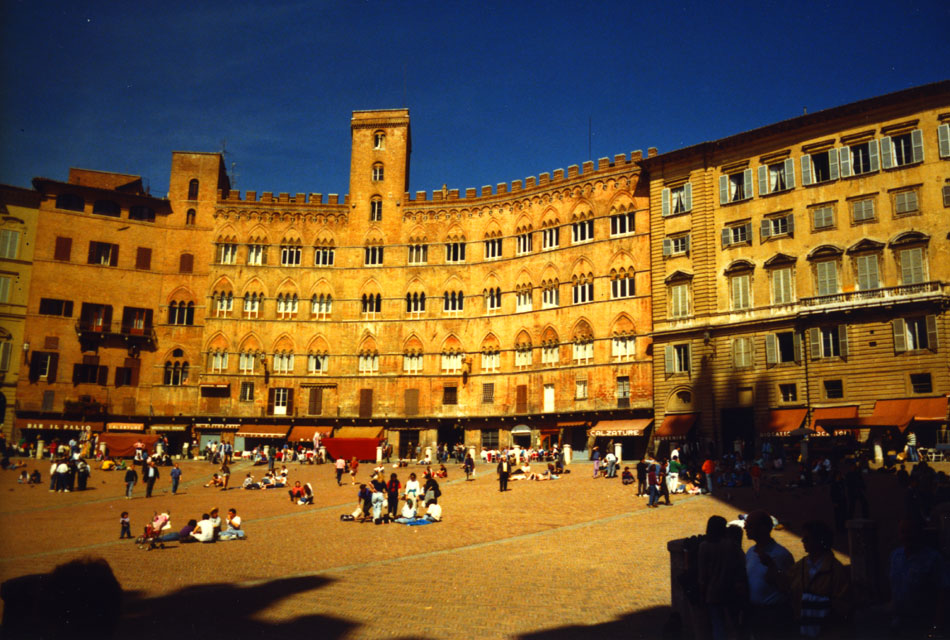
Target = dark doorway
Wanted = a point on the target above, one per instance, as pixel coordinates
(738, 424)
(408, 441)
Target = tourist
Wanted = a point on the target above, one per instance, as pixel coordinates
(611, 460)
(642, 478)
(819, 586)
(674, 470)
(184, 535)
(504, 471)
(215, 481)
(234, 530)
(364, 501)
(125, 526)
(431, 491)
(412, 487)
(442, 472)
(722, 578)
(378, 497)
(203, 531)
(653, 485)
(296, 492)
(769, 612)
(131, 478)
(176, 478)
(151, 475)
(392, 495)
(433, 511)
(82, 474)
(595, 456)
(408, 513)
(354, 466)
(920, 585)
(709, 468)
(215, 521)
(627, 476)
(469, 466)
(340, 468)
(225, 476)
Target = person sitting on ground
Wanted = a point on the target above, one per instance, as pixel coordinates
(307, 497)
(215, 481)
(296, 492)
(267, 480)
(35, 477)
(234, 530)
(203, 532)
(433, 511)
(284, 472)
(24, 478)
(280, 481)
(432, 491)
(442, 472)
(107, 465)
(183, 534)
(215, 522)
(408, 513)
(627, 476)
(427, 473)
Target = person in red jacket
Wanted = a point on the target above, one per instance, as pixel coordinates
(709, 467)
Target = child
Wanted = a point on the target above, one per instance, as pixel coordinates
(126, 524)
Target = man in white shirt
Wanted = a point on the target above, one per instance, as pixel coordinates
(234, 531)
(204, 532)
(434, 512)
(611, 460)
(770, 612)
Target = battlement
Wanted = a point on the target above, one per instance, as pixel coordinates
(544, 180)
(267, 197)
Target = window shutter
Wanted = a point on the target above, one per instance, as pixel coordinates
(521, 398)
(34, 374)
(186, 263)
(92, 253)
(832, 164)
(315, 405)
(77, 373)
(665, 199)
(667, 246)
(270, 401)
(789, 173)
(771, 349)
(917, 140)
(68, 309)
(412, 402)
(687, 247)
(887, 152)
(797, 346)
(806, 170)
(290, 402)
(765, 229)
(264, 255)
(943, 139)
(748, 232)
(668, 359)
(114, 256)
(873, 155)
(735, 353)
(5, 349)
(763, 180)
(931, 322)
(723, 189)
(814, 343)
(791, 224)
(102, 376)
(844, 161)
(688, 196)
(133, 365)
(63, 248)
(747, 182)
(143, 258)
(366, 403)
(900, 335)
(843, 339)
(726, 235)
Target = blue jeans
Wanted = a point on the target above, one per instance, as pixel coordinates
(912, 454)
(228, 534)
(175, 485)
(128, 489)
(654, 495)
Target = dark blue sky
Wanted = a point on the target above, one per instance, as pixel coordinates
(497, 90)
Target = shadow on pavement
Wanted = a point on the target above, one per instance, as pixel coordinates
(653, 623)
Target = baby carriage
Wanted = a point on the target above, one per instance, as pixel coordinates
(153, 531)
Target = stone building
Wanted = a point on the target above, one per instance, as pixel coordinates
(800, 274)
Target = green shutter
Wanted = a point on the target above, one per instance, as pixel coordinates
(943, 139)
(667, 246)
(668, 359)
(814, 343)
(771, 349)
(844, 161)
(832, 164)
(791, 224)
(765, 229)
(843, 340)
(917, 140)
(763, 180)
(887, 152)
(797, 346)
(726, 235)
(931, 322)
(789, 173)
(723, 190)
(747, 182)
(873, 155)
(900, 335)
(688, 196)
(806, 170)
(665, 199)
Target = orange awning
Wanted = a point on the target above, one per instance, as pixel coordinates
(820, 415)
(783, 421)
(263, 431)
(901, 412)
(619, 428)
(305, 434)
(676, 426)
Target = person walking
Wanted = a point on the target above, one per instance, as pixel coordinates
(176, 478)
(151, 475)
(225, 475)
(595, 456)
(131, 478)
(642, 478)
(653, 481)
(504, 470)
(469, 466)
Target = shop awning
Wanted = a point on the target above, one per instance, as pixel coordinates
(574, 423)
(170, 427)
(897, 413)
(359, 432)
(821, 414)
(305, 434)
(782, 422)
(263, 431)
(620, 428)
(217, 426)
(125, 426)
(676, 426)
(58, 425)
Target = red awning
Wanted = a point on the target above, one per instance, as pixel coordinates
(305, 434)
(346, 448)
(122, 445)
(897, 413)
(263, 431)
(57, 425)
(619, 428)
(820, 415)
(676, 426)
(783, 421)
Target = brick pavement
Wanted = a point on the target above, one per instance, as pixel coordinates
(560, 558)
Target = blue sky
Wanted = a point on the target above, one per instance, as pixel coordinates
(497, 90)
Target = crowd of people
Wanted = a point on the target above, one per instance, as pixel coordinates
(209, 528)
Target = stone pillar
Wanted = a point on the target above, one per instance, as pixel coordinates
(40, 445)
(867, 574)
(379, 455)
(567, 454)
(618, 451)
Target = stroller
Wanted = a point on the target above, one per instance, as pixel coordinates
(153, 531)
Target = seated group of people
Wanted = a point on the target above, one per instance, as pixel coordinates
(271, 480)
(208, 529)
(524, 472)
(109, 464)
(301, 494)
(31, 478)
(411, 512)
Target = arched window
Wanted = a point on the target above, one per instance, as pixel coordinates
(415, 302)
(218, 361)
(252, 304)
(176, 372)
(193, 189)
(453, 301)
(378, 172)
(321, 306)
(287, 305)
(371, 304)
(379, 140)
(70, 202)
(181, 313)
(223, 303)
(190, 217)
(376, 209)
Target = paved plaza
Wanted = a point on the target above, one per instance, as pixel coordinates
(574, 557)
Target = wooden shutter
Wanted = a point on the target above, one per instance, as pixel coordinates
(114, 255)
(771, 349)
(687, 251)
(814, 342)
(791, 224)
(806, 170)
(411, 399)
(789, 173)
(723, 189)
(726, 237)
(92, 253)
(107, 318)
(34, 374)
(68, 309)
(270, 401)
(64, 247)
(844, 161)
(186, 263)
(931, 322)
(917, 142)
(900, 335)
(143, 258)
(665, 199)
(667, 246)
(366, 403)
(521, 398)
(688, 196)
(315, 405)
(668, 361)
(843, 339)
(102, 376)
(943, 140)
(887, 152)
(797, 346)
(747, 182)
(873, 153)
(290, 402)
(832, 164)
(765, 229)
(52, 367)
(133, 364)
(763, 180)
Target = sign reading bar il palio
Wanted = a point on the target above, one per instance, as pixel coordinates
(58, 425)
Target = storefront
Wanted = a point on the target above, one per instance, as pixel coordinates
(209, 432)
(120, 444)
(575, 434)
(521, 436)
(676, 430)
(269, 437)
(309, 437)
(178, 436)
(632, 435)
(61, 431)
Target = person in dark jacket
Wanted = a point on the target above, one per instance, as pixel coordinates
(504, 470)
(131, 478)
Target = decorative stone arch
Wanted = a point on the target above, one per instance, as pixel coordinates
(413, 345)
(452, 283)
(217, 342)
(258, 235)
(681, 399)
(524, 225)
(825, 251)
(582, 210)
(370, 285)
(866, 245)
(908, 239)
(780, 260)
(318, 344)
(176, 352)
(227, 231)
(582, 271)
(451, 344)
(251, 342)
(287, 285)
(678, 276)
(622, 325)
(550, 218)
(325, 238)
(581, 330)
(493, 230)
(418, 235)
(284, 343)
(368, 344)
(374, 237)
(321, 286)
(226, 239)
(523, 280)
(254, 285)
(181, 293)
(549, 336)
(455, 233)
(523, 339)
(622, 202)
(739, 266)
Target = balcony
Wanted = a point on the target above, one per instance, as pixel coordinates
(923, 292)
(102, 331)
